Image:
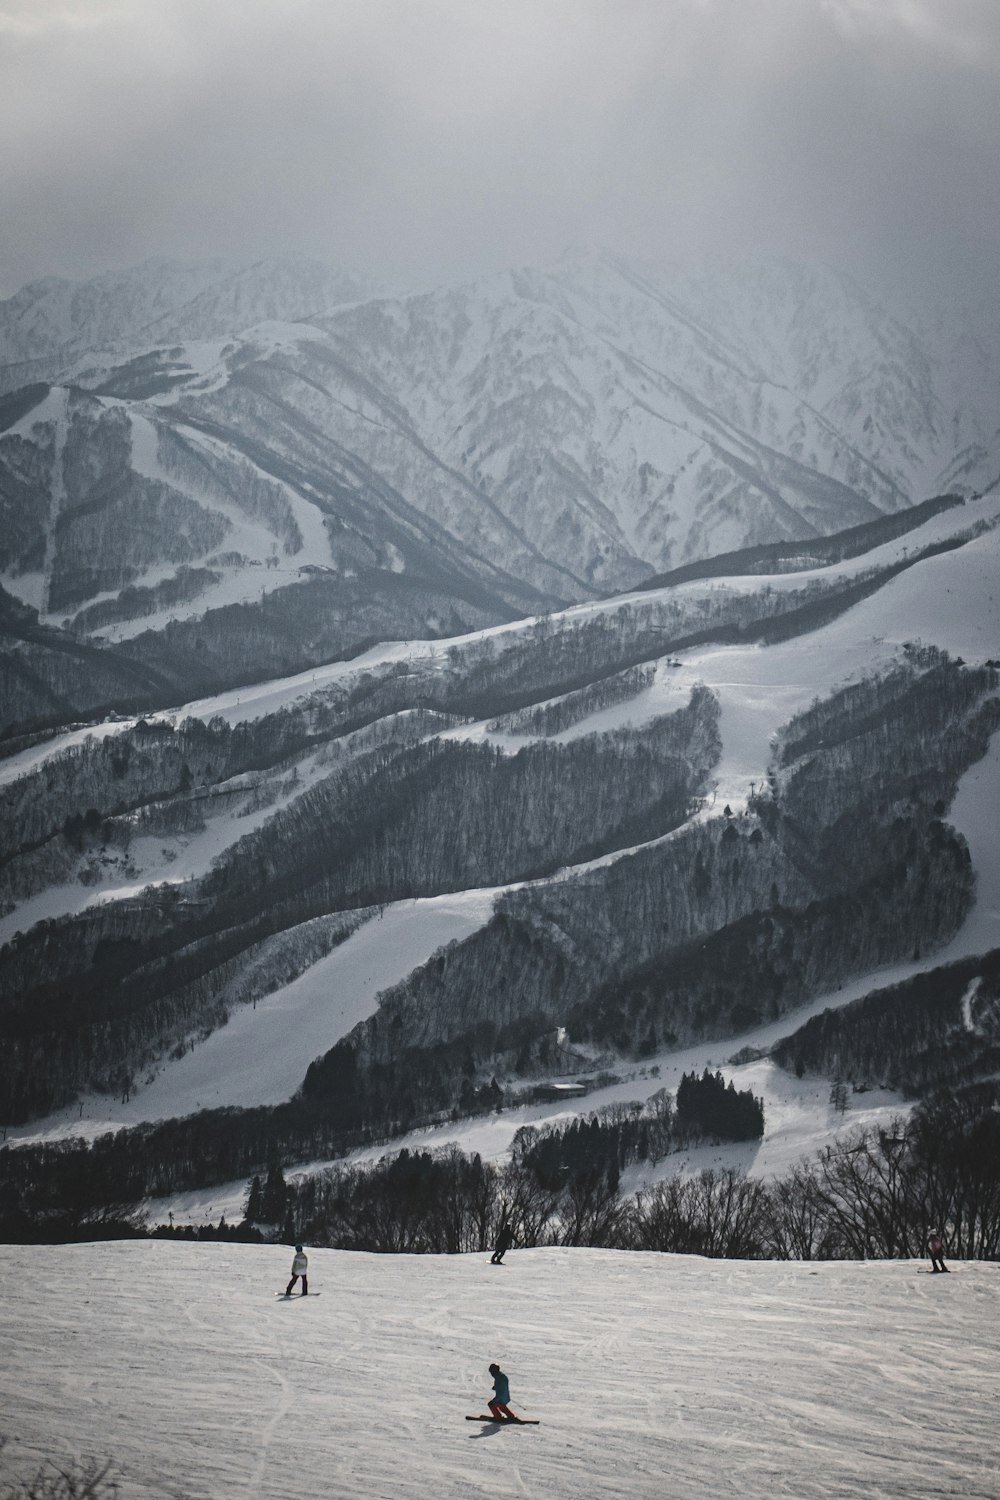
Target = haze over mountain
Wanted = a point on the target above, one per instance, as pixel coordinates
(439, 142)
(160, 302)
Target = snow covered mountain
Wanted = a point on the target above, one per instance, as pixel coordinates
(319, 908)
(50, 323)
(198, 445)
(911, 394)
(393, 694)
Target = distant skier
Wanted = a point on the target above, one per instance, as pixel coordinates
(504, 1241)
(501, 1396)
(935, 1249)
(300, 1267)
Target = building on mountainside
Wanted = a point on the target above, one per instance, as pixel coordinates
(561, 1090)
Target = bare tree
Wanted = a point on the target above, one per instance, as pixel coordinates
(87, 1480)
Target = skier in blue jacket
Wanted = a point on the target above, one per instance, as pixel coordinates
(501, 1396)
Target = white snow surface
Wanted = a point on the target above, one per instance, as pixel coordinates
(650, 1374)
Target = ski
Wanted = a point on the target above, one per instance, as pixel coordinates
(505, 1421)
(294, 1296)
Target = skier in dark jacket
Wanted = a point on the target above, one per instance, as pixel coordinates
(504, 1241)
(501, 1396)
(935, 1249)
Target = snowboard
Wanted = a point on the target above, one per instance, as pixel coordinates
(294, 1296)
(505, 1421)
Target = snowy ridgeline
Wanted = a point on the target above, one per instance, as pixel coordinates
(554, 435)
(651, 1375)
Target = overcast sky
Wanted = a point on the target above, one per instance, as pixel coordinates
(428, 139)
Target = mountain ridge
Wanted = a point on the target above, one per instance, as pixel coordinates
(552, 434)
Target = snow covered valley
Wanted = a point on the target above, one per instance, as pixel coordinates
(650, 1375)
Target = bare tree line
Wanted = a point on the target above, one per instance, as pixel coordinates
(873, 1194)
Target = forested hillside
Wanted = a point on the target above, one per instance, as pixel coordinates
(97, 1002)
(841, 864)
(935, 1032)
(666, 863)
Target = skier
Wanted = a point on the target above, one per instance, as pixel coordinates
(300, 1267)
(935, 1249)
(504, 1241)
(501, 1396)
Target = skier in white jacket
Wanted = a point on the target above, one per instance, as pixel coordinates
(300, 1266)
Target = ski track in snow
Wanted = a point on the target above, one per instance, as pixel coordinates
(33, 588)
(165, 859)
(252, 538)
(652, 1374)
(261, 1055)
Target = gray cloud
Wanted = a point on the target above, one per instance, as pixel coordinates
(435, 138)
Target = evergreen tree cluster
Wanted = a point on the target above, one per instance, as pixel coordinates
(708, 1106)
(597, 1146)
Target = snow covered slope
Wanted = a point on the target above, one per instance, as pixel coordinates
(948, 600)
(650, 1374)
(911, 391)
